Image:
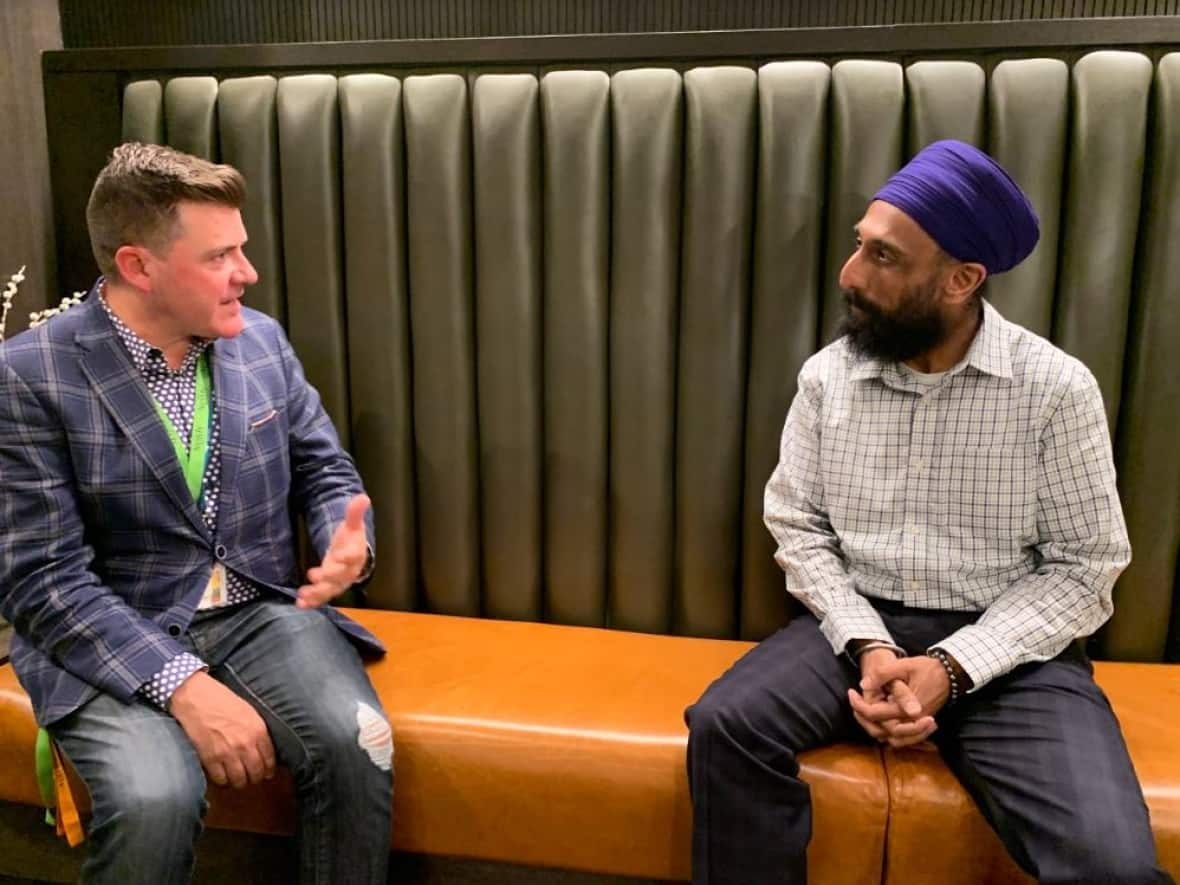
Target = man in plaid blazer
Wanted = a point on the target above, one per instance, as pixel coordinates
(152, 442)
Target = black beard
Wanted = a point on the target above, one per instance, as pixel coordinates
(914, 327)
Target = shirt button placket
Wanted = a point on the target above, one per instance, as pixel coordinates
(917, 488)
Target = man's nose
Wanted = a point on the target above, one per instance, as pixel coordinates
(248, 273)
(850, 275)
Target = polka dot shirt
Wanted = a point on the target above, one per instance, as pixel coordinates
(176, 392)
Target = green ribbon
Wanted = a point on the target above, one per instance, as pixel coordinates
(45, 774)
(193, 457)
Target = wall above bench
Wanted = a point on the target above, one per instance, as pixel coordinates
(555, 290)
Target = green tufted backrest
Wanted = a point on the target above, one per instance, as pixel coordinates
(558, 318)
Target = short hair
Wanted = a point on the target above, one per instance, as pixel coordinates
(135, 198)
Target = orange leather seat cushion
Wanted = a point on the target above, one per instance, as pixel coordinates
(18, 737)
(541, 745)
(937, 835)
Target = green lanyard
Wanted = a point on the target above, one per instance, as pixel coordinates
(193, 457)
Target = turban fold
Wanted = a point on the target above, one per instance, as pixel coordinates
(967, 203)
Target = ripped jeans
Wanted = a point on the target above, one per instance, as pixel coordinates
(307, 682)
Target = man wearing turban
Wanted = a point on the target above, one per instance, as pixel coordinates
(945, 510)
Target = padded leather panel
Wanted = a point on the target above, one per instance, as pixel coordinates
(784, 303)
(378, 316)
(720, 125)
(309, 164)
(868, 121)
(937, 834)
(555, 431)
(575, 120)
(1110, 91)
(648, 110)
(505, 134)
(250, 143)
(946, 100)
(1149, 422)
(438, 188)
(143, 112)
(190, 115)
(1028, 109)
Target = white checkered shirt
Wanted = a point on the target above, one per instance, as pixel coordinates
(991, 490)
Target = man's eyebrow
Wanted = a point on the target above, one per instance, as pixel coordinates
(878, 242)
(225, 247)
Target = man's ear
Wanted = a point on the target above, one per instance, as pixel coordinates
(964, 280)
(134, 265)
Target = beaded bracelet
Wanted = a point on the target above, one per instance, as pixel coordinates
(943, 658)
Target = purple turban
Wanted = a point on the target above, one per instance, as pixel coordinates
(967, 203)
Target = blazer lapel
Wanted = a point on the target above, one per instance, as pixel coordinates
(122, 391)
(229, 389)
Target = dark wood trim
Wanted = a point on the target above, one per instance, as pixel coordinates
(942, 38)
(88, 23)
(83, 122)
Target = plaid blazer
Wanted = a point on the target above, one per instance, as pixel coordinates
(103, 553)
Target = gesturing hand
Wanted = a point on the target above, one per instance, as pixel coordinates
(343, 562)
(229, 736)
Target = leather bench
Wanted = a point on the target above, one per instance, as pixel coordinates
(541, 745)
(556, 746)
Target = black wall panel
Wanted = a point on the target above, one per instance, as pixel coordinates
(88, 24)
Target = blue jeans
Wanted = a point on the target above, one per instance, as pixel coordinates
(306, 680)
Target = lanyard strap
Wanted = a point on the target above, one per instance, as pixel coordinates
(193, 456)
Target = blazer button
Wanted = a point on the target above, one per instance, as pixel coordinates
(219, 551)
(174, 630)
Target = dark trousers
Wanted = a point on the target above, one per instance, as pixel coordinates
(1039, 749)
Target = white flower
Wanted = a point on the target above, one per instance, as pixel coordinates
(37, 317)
(6, 300)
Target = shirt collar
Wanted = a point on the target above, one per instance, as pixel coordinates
(146, 357)
(990, 352)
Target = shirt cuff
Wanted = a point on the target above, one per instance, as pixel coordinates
(367, 568)
(158, 690)
(840, 626)
(981, 654)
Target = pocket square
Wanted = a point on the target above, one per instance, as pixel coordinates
(254, 425)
